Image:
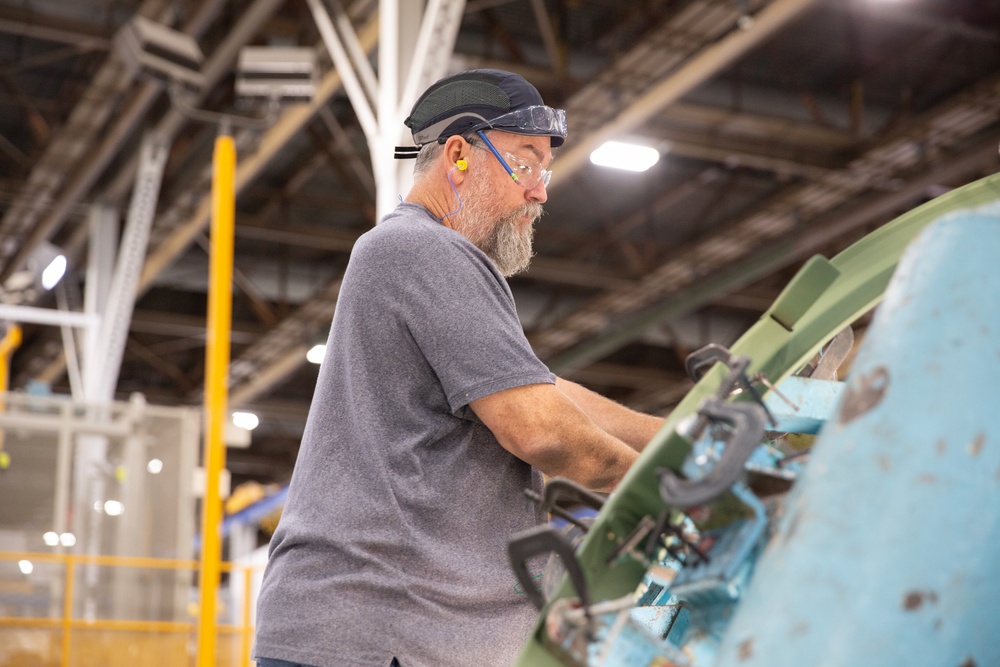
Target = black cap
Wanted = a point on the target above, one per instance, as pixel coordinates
(473, 100)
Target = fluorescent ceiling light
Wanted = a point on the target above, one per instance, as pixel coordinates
(247, 420)
(54, 272)
(114, 507)
(316, 353)
(620, 155)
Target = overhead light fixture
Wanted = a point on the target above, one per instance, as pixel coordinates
(316, 353)
(621, 155)
(25, 566)
(67, 539)
(114, 507)
(166, 54)
(44, 268)
(245, 420)
(155, 466)
(277, 72)
(54, 272)
(51, 538)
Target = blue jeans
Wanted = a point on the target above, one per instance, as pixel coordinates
(272, 662)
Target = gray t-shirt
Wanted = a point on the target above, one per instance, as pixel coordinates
(393, 538)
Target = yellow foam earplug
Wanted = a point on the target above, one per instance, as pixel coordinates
(462, 165)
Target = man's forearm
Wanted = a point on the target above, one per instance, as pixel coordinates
(633, 428)
(544, 427)
(585, 453)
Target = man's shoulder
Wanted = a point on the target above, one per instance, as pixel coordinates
(411, 234)
(408, 226)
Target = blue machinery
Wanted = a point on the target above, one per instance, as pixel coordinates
(741, 538)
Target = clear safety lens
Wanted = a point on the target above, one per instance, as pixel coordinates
(539, 119)
(528, 172)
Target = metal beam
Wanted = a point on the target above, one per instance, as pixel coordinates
(101, 372)
(268, 377)
(75, 145)
(284, 347)
(50, 29)
(218, 66)
(695, 70)
(291, 121)
(49, 316)
(342, 62)
(548, 33)
(937, 132)
(779, 254)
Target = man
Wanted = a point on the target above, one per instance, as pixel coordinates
(431, 413)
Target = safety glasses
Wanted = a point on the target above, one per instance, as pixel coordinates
(526, 173)
(538, 120)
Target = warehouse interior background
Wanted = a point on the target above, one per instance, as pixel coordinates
(783, 128)
(844, 116)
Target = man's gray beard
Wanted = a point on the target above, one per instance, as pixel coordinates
(496, 233)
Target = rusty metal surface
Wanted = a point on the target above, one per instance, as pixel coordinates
(886, 552)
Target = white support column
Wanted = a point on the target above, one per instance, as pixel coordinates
(104, 351)
(103, 376)
(354, 49)
(390, 15)
(408, 61)
(433, 49)
(103, 246)
(348, 76)
(428, 59)
(70, 346)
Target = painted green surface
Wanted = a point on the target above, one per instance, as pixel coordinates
(822, 299)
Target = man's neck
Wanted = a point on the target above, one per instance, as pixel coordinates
(436, 203)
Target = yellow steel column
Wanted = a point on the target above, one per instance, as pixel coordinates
(67, 619)
(220, 305)
(245, 638)
(11, 341)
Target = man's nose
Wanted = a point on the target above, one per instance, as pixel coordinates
(537, 193)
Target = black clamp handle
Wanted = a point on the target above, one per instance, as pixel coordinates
(698, 362)
(542, 540)
(748, 422)
(560, 493)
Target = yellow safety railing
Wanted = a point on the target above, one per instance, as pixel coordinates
(68, 628)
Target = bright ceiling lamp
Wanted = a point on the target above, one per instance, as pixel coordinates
(316, 353)
(247, 420)
(621, 155)
(54, 272)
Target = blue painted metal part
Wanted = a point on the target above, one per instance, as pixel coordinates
(803, 405)
(887, 552)
(713, 590)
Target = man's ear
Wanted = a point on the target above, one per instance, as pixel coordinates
(456, 153)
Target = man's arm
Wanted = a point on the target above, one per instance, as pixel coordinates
(634, 428)
(540, 425)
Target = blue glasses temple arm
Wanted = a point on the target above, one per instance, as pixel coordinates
(497, 155)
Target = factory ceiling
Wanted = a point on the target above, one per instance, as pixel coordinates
(786, 128)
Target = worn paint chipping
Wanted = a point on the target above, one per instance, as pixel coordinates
(864, 395)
